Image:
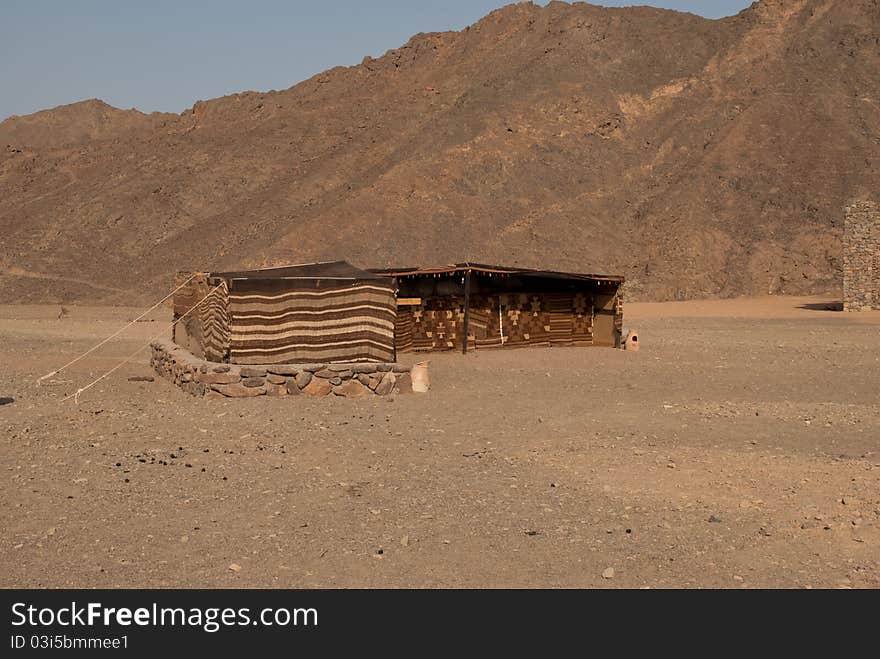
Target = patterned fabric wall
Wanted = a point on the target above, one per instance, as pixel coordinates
(436, 324)
(214, 316)
(618, 311)
(203, 329)
(524, 319)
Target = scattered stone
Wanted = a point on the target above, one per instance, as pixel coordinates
(253, 382)
(253, 372)
(284, 369)
(235, 567)
(275, 379)
(608, 573)
(386, 385)
(141, 378)
(238, 390)
(221, 368)
(325, 373)
(318, 387)
(714, 520)
(217, 378)
(405, 541)
(335, 381)
(351, 389)
(302, 379)
(276, 390)
(291, 387)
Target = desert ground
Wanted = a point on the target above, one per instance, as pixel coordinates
(739, 448)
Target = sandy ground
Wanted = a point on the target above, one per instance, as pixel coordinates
(739, 448)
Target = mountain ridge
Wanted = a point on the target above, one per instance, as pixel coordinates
(698, 157)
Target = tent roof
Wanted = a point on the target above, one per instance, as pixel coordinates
(339, 270)
(499, 270)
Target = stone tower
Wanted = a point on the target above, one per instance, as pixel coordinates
(861, 257)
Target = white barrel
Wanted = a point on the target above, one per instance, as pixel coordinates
(420, 380)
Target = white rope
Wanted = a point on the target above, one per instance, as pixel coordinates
(114, 335)
(500, 321)
(75, 396)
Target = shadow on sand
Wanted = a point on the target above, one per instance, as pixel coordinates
(823, 306)
(5, 400)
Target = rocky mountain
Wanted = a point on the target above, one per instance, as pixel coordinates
(697, 157)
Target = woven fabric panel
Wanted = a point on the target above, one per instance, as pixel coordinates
(353, 323)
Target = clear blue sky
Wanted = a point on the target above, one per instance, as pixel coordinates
(167, 54)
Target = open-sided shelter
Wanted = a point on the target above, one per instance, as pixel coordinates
(313, 313)
(470, 306)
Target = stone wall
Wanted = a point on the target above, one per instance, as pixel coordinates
(861, 257)
(217, 380)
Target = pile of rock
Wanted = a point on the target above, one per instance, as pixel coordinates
(216, 380)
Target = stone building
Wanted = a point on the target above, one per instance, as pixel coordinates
(861, 257)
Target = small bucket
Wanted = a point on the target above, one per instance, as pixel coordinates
(632, 341)
(419, 375)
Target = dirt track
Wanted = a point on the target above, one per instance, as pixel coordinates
(739, 448)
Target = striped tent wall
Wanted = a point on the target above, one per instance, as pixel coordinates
(271, 322)
(214, 317)
(618, 311)
(202, 316)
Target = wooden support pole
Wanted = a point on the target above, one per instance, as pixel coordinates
(467, 311)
